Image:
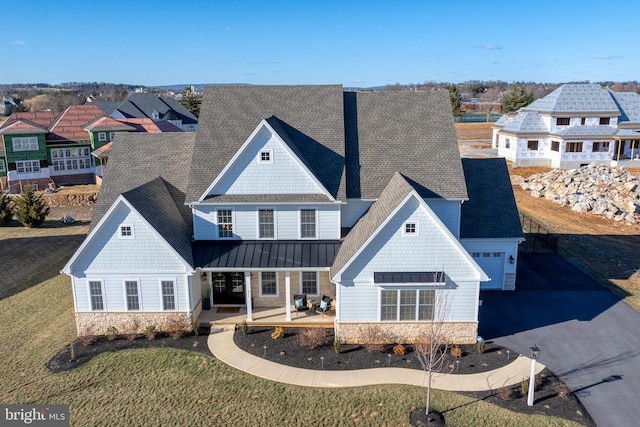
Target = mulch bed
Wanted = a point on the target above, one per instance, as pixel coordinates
(287, 352)
(84, 353)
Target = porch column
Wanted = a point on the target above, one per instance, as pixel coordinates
(247, 284)
(287, 295)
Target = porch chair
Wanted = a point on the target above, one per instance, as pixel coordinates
(324, 306)
(300, 303)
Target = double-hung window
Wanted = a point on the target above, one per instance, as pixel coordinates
(168, 295)
(225, 223)
(309, 284)
(266, 224)
(574, 147)
(95, 294)
(269, 283)
(308, 223)
(70, 158)
(133, 298)
(407, 304)
(102, 136)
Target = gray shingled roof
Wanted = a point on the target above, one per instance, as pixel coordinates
(575, 99)
(586, 131)
(229, 114)
(392, 195)
(269, 198)
(137, 158)
(142, 105)
(410, 132)
(154, 201)
(491, 210)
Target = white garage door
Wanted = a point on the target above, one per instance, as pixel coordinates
(493, 264)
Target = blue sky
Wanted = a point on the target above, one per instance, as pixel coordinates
(355, 43)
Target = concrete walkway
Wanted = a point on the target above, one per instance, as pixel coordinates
(223, 348)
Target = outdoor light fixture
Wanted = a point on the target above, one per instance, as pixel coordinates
(511, 259)
(535, 353)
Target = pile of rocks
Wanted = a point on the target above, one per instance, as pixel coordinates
(602, 190)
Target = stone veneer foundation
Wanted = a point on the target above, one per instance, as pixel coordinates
(406, 332)
(97, 323)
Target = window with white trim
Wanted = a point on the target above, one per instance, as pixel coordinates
(70, 158)
(102, 136)
(266, 224)
(2, 168)
(168, 295)
(265, 156)
(25, 143)
(133, 298)
(28, 166)
(406, 304)
(307, 223)
(269, 283)
(126, 231)
(225, 223)
(112, 135)
(95, 293)
(410, 229)
(309, 283)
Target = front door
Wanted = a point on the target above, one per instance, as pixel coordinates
(228, 288)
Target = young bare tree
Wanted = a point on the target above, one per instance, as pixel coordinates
(431, 350)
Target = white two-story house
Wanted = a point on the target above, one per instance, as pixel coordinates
(574, 125)
(289, 190)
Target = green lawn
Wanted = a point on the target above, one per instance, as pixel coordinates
(174, 387)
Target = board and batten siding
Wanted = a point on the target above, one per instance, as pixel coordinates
(283, 174)
(149, 291)
(143, 253)
(287, 218)
(390, 250)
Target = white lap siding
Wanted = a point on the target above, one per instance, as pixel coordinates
(431, 250)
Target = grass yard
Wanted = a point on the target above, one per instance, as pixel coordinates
(175, 387)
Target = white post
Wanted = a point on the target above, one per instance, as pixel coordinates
(532, 380)
(287, 295)
(247, 284)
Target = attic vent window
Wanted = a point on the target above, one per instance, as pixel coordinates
(410, 229)
(155, 115)
(126, 231)
(265, 156)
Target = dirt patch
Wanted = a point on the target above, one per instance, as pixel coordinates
(471, 131)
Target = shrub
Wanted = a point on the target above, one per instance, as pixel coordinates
(112, 333)
(456, 351)
(30, 209)
(562, 390)
(336, 345)
(506, 393)
(399, 349)
(176, 326)
(312, 337)
(150, 332)
(244, 327)
(278, 333)
(6, 210)
(373, 339)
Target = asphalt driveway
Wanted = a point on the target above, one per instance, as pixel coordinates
(588, 337)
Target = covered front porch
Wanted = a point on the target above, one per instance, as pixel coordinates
(264, 316)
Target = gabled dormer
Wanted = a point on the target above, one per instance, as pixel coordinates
(267, 191)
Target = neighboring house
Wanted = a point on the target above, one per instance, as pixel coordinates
(149, 106)
(45, 147)
(300, 189)
(574, 125)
